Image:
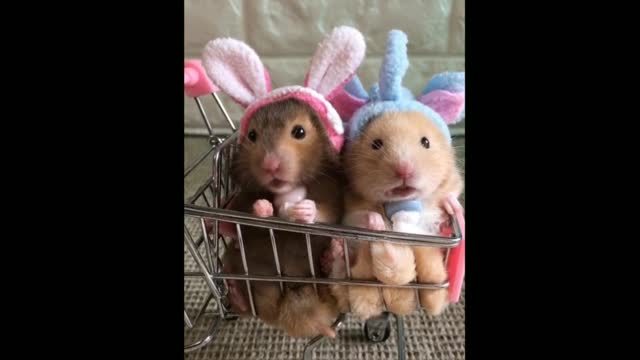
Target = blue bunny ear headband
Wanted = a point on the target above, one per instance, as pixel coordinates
(442, 100)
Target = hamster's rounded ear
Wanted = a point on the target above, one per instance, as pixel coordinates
(236, 69)
(445, 95)
(335, 61)
(349, 99)
(394, 66)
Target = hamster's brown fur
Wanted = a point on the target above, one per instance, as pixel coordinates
(310, 162)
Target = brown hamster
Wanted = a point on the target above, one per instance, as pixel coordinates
(286, 148)
(399, 156)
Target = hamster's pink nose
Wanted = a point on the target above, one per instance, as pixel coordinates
(271, 163)
(404, 170)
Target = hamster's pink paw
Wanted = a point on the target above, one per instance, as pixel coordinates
(325, 330)
(208, 225)
(305, 211)
(374, 221)
(262, 208)
(227, 229)
(326, 263)
(236, 298)
(337, 248)
(335, 251)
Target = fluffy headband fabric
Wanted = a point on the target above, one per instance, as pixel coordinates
(442, 100)
(236, 69)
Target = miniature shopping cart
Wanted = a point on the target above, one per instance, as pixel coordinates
(206, 208)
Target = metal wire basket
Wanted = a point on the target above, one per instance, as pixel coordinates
(205, 208)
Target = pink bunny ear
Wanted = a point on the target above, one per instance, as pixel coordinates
(336, 60)
(236, 69)
(196, 81)
(448, 104)
(349, 98)
(346, 104)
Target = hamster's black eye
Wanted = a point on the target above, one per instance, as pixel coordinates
(252, 135)
(425, 142)
(376, 144)
(298, 132)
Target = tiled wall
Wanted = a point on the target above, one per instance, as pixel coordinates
(285, 34)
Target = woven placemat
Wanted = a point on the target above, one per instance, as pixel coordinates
(426, 337)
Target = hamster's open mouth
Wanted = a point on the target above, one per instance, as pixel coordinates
(402, 191)
(277, 183)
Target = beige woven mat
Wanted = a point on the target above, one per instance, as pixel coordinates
(426, 337)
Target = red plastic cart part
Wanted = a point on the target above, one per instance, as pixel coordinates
(456, 255)
(196, 81)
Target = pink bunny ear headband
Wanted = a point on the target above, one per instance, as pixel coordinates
(236, 69)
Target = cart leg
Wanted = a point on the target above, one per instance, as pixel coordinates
(402, 355)
(201, 343)
(311, 345)
(187, 320)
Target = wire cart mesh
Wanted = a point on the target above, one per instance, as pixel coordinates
(206, 208)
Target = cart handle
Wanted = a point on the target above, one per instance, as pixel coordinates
(456, 263)
(196, 81)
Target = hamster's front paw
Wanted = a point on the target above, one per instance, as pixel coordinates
(305, 211)
(262, 208)
(374, 221)
(335, 251)
(236, 299)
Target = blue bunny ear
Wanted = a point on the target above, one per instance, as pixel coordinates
(448, 81)
(394, 66)
(355, 88)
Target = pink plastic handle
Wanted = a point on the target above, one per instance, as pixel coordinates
(196, 81)
(456, 256)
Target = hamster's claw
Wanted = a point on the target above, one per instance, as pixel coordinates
(326, 330)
